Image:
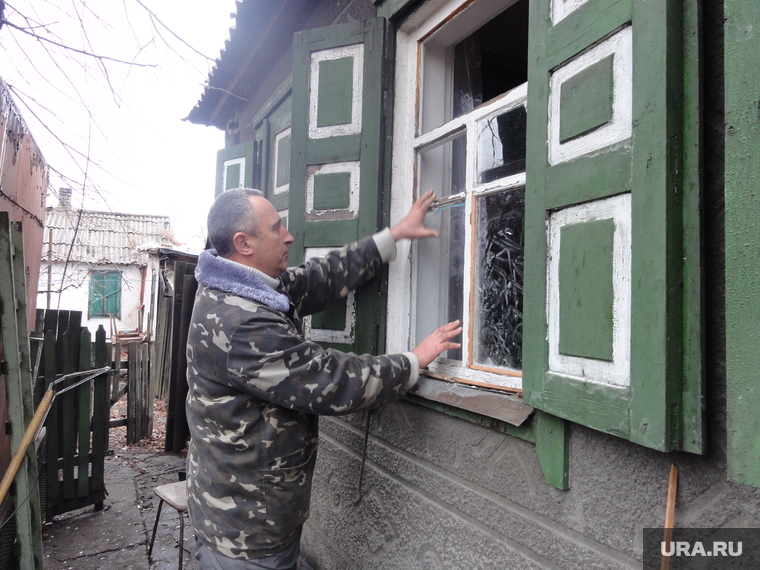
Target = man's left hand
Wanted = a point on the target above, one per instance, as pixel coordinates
(413, 226)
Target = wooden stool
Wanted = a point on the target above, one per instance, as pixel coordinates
(176, 495)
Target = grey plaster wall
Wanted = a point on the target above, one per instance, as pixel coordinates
(443, 493)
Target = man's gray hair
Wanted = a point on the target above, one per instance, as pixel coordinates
(231, 213)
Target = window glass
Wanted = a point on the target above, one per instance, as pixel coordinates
(472, 152)
(499, 288)
(105, 294)
(501, 145)
(440, 273)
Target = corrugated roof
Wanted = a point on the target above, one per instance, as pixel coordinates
(103, 237)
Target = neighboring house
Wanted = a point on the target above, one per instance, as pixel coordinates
(23, 186)
(104, 264)
(598, 241)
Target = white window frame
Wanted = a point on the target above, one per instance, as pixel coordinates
(427, 25)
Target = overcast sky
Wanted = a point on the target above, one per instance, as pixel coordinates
(143, 158)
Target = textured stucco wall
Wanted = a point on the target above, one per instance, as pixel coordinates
(440, 492)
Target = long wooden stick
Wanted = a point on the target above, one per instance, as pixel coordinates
(670, 513)
(26, 441)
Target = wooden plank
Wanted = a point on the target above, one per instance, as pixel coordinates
(553, 449)
(117, 348)
(53, 426)
(584, 27)
(100, 413)
(598, 406)
(147, 391)
(742, 61)
(693, 405)
(83, 393)
(132, 395)
(13, 325)
(330, 234)
(68, 424)
(657, 229)
(588, 178)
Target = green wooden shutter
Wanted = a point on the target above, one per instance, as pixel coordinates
(236, 167)
(105, 294)
(340, 107)
(612, 279)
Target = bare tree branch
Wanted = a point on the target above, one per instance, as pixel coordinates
(69, 48)
(168, 29)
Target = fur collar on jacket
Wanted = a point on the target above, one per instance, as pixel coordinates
(232, 277)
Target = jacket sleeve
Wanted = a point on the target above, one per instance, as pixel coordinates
(320, 282)
(270, 360)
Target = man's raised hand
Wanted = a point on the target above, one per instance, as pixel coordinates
(413, 226)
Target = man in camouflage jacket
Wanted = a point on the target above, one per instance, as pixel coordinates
(257, 386)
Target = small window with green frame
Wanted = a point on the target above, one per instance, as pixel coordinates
(105, 294)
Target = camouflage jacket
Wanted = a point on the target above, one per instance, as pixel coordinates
(256, 387)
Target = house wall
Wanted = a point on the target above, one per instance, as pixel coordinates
(23, 186)
(441, 492)
(75, 294)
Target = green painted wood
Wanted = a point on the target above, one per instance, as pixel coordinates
(68, 412)
(332, 191)
(657, 252)
(51, 438)
(83, 419)
(242, 150)
(586, 100)
(100, 413)
(588, 178)
(18, 387)
(693, 405)
(553, 449)
(585, 289)
(370, 148)
(335, 92)
(598, 406)
(335, 149)
(282, 168)
(742, 61)
(535, 346)
(396, 9)
(584, 27)
(330, 234)
(233, 175)
(666, 336)
(333, 319)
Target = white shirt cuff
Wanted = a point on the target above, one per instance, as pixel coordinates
(386, 245)
(415, 374)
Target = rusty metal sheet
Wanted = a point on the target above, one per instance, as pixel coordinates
(504, 407)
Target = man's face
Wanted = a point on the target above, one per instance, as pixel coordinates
(270, 247)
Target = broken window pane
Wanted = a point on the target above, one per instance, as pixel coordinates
(440, 269)
(501, 145)
(499, 287)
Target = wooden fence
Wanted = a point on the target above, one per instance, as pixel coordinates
(79, 419)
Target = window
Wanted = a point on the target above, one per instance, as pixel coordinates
(469, 145)
(105, 294)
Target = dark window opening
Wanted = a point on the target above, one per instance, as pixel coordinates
(492, 60)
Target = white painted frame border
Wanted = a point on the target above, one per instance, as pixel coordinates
(230, 162)
(356, 52)
(285, 187)
(346, 336)
(353, 168)
(620, 127)
(617, 372)
(561, 9)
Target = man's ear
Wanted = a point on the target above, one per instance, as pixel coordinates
(240, 241)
